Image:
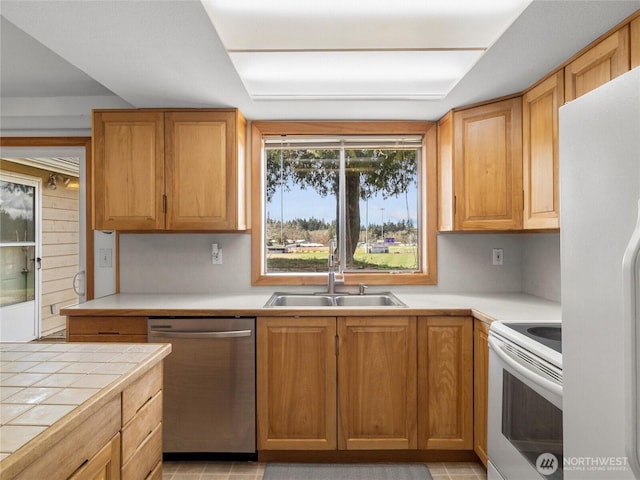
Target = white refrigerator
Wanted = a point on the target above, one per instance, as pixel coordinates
(600, 237)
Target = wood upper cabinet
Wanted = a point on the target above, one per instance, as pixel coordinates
(480, 388)
(481, 167)
(601, 63)
(634, 33)
(128, 158)
(446, 196)
(203, 175)
(169, 170)
(540, 157)
(445, 383)
(377, 379)
(296, 386)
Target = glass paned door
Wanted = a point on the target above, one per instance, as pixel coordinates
(19, 263)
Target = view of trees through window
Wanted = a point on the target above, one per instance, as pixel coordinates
(374, 226)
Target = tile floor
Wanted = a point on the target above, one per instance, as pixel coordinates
(254, 471)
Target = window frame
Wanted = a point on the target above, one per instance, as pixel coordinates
(427, 274)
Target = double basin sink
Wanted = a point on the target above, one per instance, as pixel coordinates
(385, 299)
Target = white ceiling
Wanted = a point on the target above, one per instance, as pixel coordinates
(59, 59)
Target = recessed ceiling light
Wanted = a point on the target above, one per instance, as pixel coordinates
(414, 49)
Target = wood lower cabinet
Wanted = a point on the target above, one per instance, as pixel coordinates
(105, 465)
(480, 167)
(296, 383)
(540, 158)
(377, 380)
(80, 447)
(445, 383)
(106, 329)
(179, 170)
(142, 427)
(375, 374)
(598, 65)
(480, 388)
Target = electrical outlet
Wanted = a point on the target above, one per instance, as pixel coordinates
(216, 254)
(498, 256)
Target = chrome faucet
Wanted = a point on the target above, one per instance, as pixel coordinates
(331, 280)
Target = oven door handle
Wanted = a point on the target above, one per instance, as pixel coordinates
(523, 370)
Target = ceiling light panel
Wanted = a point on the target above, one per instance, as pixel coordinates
(357, 48)
(339, 24)
(360, 74)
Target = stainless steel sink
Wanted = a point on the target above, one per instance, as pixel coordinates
(299, 300)
(371, 300)
(284, 299)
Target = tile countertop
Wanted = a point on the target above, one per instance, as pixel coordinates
(44, 386)
(487, 307)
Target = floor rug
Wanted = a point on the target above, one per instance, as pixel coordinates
(346, 471)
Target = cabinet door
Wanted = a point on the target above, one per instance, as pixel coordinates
(377, 382)
(202, 170)
(488, 166)
(445, 383)
(128, 158)
(635, 42)
(105, 465)
(598, 65)
(445, 174)
(540, 153)
(296, 389)
(480, 388)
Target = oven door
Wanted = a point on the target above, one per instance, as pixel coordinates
(525, 415)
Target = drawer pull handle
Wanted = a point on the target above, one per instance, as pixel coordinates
(147, 435)
(145, 402)
(108, 333)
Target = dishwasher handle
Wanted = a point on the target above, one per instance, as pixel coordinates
(205, 334)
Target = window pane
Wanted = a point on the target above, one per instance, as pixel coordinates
(17, 212)
(382, 210)
(17, 270)
(380, 214)
(301, 208)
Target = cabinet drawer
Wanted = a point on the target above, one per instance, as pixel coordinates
(141, 392)
(107, 325)
(141, 426)
(70, 452)
(145, 459)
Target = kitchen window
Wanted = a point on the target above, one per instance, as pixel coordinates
(368, 186)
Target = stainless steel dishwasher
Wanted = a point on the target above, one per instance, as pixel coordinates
(209, 384)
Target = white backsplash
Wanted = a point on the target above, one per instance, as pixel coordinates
(181, 263)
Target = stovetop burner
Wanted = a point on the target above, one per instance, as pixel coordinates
(549, 334)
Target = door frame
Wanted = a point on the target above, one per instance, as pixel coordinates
(84, 142)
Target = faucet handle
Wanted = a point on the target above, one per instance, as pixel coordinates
(361, 288)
